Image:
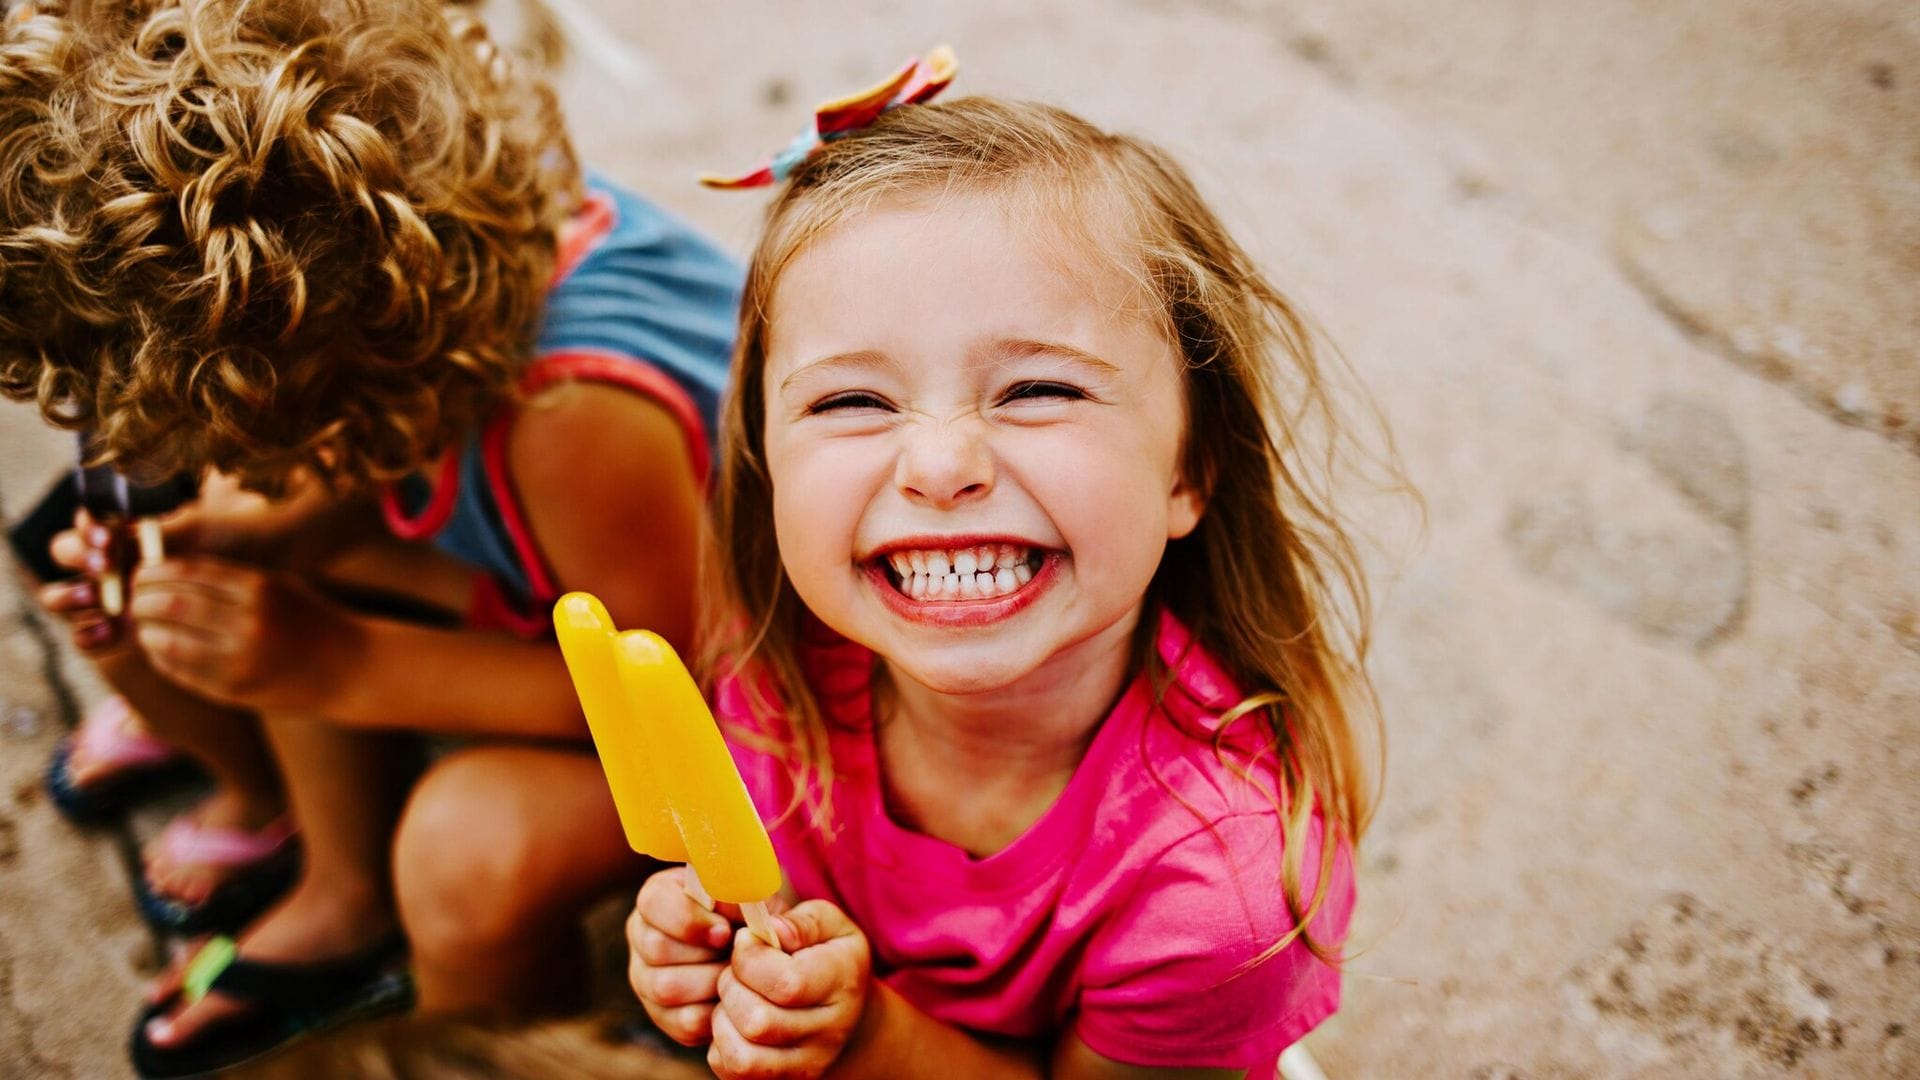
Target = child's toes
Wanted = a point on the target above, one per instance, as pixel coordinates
(167, 983)
(178, 1027)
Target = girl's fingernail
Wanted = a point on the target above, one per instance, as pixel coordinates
(94, 635)
(97, 561)
(98, 536)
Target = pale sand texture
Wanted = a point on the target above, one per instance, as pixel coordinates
(1635, 287)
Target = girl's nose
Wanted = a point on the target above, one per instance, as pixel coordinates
(945, 464)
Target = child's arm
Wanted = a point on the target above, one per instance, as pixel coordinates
(816, 1010)
(608, 485)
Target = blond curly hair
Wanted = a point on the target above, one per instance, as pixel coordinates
(267, 237)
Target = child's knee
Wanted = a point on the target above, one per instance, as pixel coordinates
(465, 859)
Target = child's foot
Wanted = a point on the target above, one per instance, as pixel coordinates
(311, 927)
(107, 764)
(208, 847)
(216, 868)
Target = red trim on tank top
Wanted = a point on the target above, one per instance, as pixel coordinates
(591, 224)
(434, 516)
(491, 609)
(580, 365)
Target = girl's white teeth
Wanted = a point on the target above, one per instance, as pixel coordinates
(977, 573)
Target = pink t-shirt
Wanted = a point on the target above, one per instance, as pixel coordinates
(1126, 912)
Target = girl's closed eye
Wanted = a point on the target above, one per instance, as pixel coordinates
(848, 401)
(1042, 390)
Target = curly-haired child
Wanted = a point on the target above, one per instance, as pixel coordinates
(338, 253)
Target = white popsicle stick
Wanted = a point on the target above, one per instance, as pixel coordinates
(153, 548)
(113, 593)
(755, 914)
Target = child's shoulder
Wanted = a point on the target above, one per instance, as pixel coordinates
(1186, 752)
(1188, 844)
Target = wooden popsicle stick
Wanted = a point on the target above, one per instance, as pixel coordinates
(758, 922)
(153, 548)
(691, 880)
(113, 593)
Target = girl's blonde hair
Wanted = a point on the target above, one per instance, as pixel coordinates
(1291, 629)
(268, 235)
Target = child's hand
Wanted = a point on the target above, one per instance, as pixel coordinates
(241, 636)
(89, 548)
(676, 952)
(789, 1014)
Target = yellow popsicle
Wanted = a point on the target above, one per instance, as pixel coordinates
(626, 753)
(725, 840)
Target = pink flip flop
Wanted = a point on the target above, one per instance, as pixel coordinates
(264, 863)
(188, 843)
(132, 763)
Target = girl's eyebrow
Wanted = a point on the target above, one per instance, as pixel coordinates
(858, 360)
(1000, 351)
(1016, 348)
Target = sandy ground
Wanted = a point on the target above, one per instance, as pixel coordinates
(1634, 285)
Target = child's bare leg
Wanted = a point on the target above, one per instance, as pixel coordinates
(247, 793)
(344, 788)
(500, 851)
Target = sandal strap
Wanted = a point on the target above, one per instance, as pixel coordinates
(103, 735)
(188, 843)
(303, 988)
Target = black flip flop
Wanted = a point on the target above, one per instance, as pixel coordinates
(288, 1002)
(108, 799)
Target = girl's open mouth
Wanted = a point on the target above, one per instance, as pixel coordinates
(955, 575)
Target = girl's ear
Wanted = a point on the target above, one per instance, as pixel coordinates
(1186, 503)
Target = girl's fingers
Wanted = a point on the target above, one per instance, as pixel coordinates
(757, 1020)
(688, 1025)
(665, 905)
(658, 948)
(790, 981)
(677, 984)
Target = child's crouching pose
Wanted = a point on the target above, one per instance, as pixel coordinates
(340, 252)
(1035, 628)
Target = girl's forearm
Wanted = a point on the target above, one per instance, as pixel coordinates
(896, 1039)
(400, 675)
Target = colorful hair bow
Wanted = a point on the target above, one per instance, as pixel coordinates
(920, 80)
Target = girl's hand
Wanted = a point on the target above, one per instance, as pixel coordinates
(676, 952)
(790, 1014)
(242, 636)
